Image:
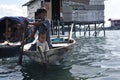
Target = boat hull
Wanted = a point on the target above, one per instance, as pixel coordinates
(52, 56)
(9, 51)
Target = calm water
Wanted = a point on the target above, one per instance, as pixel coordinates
(91, 59)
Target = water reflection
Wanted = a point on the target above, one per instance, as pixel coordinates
(33, 71)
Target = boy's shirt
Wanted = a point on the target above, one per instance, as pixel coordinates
(44, 46)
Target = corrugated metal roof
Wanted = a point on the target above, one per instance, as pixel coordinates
(28, 3)
(81, 1)
(89, 7)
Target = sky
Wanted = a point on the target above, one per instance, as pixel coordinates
(112, 9)
(15, 8)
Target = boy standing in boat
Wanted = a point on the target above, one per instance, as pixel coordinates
(41, 19)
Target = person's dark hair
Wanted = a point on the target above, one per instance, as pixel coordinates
(41, 33)
(41, 11)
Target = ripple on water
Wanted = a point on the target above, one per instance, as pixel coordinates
(86, 71)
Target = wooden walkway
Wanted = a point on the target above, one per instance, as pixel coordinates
(92, 28)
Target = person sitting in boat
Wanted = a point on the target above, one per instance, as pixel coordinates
(8, 34)
(42, 43)
(18, 33)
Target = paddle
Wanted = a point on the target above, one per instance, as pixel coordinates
(23, 42)
(70, 36)
(43, 58)
(27, 46)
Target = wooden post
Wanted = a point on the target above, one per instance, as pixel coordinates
(95, 30)
(79, 29)
(89, 29)
(6, 28)
(52, 27)
(58, 25)
(104, 29)
(63, 32)
(84, 31)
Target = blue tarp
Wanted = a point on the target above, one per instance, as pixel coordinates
(14, 19)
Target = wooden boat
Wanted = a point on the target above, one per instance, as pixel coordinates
(8, 49)
(54, 55)
(61, 47)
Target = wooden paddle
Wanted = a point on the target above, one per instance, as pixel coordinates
(43, 58)
(27, 46)
(23, 42)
